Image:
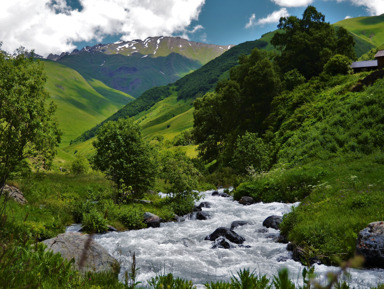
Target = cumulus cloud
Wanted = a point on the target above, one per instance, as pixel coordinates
(51, 26)
(251, 21)
(273, 17)
(374, 7)
(293, 3)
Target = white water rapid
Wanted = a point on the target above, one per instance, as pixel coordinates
(180, 248)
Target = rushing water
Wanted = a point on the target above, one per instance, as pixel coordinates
(180, 248)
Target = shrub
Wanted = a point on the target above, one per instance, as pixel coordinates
(94, 222)
(250, 151)
(80, 165)
(132, 218)
(338, 64)
(170, 282)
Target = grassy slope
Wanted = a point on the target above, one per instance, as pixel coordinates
(79, 105)
(371, 29)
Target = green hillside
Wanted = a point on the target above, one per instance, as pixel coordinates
(189, 87)
(370, 29)
(80, 105)
(132, 75)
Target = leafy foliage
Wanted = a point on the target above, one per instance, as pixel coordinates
(94, 222)
(307, 44)
(80, 165)
(124, 156)
(27, 127)
(338, 64)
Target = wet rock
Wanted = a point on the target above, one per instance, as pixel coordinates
(218, 194)
(273, 222)
(282, 259)
(188, 242)
(262, 230)
(111, 229)
(245, 246)
(14, 193)
(197, 209)
(222, 243)
(236, 224)
(282, 239)
(370, 245)
(205, 205)
(72, 246)
(152, 220)
(246, 201)
(226, 233)
(202, 216)
(290, 247)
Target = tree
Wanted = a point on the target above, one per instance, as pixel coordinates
(250, 151)
(181, 179)
(338, 64)
(123, 155)
(307, 44)
(28, 129)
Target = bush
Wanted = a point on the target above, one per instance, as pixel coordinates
(132, 218)
(250, 152)
(170, 282)
(281, 185)
(94, 222)
(338, 64)
(80, 165)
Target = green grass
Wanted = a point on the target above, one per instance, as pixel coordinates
(371, 29)
(79, 105)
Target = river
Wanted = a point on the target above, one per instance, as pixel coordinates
(179, 247)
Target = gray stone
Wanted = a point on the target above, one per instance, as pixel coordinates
(78, 246)
(246, 201)
(152, 220)
(202, 216)
(370, 244)
(15, 193)
(236, 224)
(226, 233)
(273, 222)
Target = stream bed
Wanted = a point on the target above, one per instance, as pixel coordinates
(179, 247)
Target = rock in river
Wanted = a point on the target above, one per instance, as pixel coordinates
(370, 244)
(226, 233)
(78, 246)
(273, 222)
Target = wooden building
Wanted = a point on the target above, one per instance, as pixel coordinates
(369, 65)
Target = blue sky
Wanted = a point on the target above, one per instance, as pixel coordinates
(55, 26)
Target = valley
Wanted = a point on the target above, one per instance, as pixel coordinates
(150, 145)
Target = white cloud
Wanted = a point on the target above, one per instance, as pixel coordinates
(348, 17)
(46, 27)
(251, 21)
(374, 7)
(273, 17)
(293, 3)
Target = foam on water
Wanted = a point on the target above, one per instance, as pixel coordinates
(180, 248)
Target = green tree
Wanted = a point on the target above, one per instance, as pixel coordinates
(238, 105)
(308, 43)
(123, 155)
(28, 129)
(181, 179)
(250, 152)
(338, 64)
(80, 165)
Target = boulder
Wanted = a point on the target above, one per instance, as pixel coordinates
(273, 222)
(79, 247)
(226, 233)
(197, 209)
(370, 245)
(205, 205)
(202, 216)
(218, 194)
(246, 201)
(236, 224)
(14, 193)
(223, 243)
(151, 220)
(262, 230)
